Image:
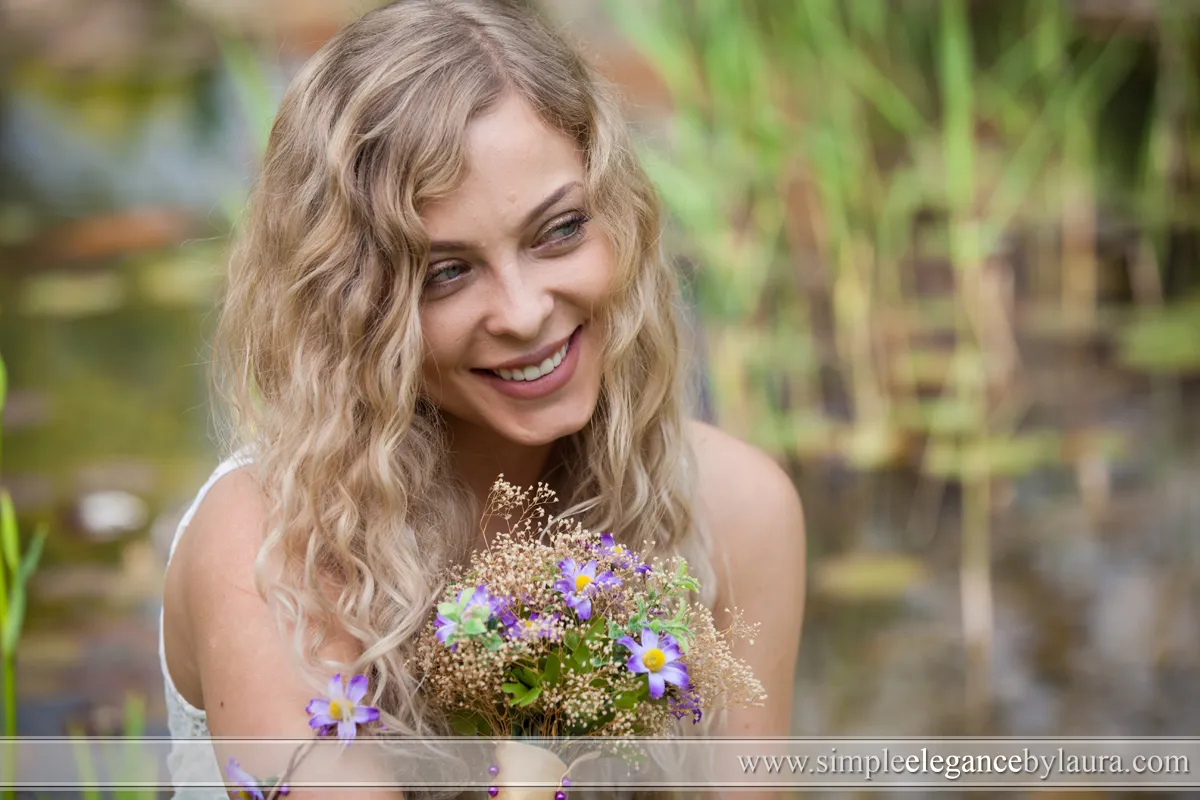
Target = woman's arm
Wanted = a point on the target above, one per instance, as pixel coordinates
(250, 685)
(758, 527)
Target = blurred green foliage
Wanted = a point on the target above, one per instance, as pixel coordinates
(889, 205)
(858, 184)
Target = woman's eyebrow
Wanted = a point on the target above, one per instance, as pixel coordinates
(552, 198)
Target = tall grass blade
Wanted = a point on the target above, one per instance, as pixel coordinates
(955, 71)
(83, 763)
(9, 539)
(133, 728)
(33, 555)
(1027, 163)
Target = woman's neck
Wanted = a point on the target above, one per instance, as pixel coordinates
(480, 456)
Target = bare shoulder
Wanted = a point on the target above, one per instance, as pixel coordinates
(216, 554)
(213, 559)
(244, 667)
(751, 507)
(230, 519)
(743, 489)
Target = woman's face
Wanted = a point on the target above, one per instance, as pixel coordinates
(516, 278)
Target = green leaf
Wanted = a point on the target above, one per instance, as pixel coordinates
(34, 554)
(552, 670)
(626, 700)
(528, 697)
(595, 630)
(580, 660)
(448, 609)
(514, 688)
(527, 676)
(464, 725)
(469, 723)
(572, 640)
(8, 532)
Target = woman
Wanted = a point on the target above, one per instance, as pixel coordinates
(449, 270)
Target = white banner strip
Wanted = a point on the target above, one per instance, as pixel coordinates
(695, 764)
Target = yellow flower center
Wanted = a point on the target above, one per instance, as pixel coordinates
(654, 659)
(335, 709)
(581, 582)
(618, 549)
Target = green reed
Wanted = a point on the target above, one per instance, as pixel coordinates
(134, 767)
(852, 182)
(15, 571)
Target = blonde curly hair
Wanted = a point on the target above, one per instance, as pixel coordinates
(319, 344)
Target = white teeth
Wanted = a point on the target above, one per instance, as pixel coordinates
(533, 372)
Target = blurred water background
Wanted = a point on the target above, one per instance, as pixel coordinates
(945, 259)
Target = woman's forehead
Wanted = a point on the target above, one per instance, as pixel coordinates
(511, 152)
(514, 162)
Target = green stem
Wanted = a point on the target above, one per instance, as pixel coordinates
(10, 721)
(10, 696)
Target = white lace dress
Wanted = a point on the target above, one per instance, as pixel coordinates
(191, 764)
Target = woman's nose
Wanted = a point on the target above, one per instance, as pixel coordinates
(520, 305)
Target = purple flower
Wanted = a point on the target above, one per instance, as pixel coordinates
(247, 783)
(341, 710)
(688, 704)
(481, 599)
(579, 585)
(248, 786)
(445, 627)
(536, 627)
(658, 657)
(468, 615)
(621, 556)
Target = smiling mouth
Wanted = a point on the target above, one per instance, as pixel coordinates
(534, 371)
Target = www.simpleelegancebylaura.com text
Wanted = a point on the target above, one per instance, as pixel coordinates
(1043, 766)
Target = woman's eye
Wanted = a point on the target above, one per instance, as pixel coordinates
(444, 273)
(566, 230)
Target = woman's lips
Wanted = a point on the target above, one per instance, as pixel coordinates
(541, 386)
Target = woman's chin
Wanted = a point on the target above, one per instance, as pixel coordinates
(545, 429)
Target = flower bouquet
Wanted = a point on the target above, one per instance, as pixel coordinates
(553, 630)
